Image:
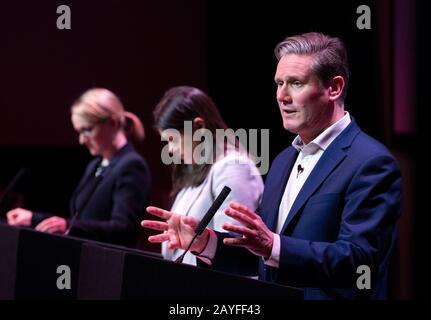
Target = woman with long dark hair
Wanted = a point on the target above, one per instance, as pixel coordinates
(203, 168)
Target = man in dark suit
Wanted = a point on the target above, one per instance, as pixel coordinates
(331, 201)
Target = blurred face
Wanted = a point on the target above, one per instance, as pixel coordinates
(179, 146)
(96, 137)
(303, 100)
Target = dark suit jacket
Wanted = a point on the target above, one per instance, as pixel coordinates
(110, 207)
(344, 216)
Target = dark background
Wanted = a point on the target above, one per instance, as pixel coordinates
(139, 49)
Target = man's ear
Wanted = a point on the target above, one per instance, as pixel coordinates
(198, 123)
(336, 86)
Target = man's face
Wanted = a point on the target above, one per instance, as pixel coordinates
(302, 98)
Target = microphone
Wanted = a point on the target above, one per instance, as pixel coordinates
(206, 219)
(12, 184)
(90, 192)
(300, 170)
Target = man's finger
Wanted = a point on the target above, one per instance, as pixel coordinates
(159, 238)
(239, 229)
(173, 241)
(155, 225)
(159, 212)
(243, 209)
(244, 219)
(190, 221)
(236, 242)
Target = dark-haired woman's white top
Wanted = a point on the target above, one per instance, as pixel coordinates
(235, 171)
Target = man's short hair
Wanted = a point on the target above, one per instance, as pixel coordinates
(330, 57)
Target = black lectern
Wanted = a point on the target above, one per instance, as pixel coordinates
(31, 264)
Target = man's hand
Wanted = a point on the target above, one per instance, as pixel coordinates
(178, 230)
(53, 225)
(256, 236)
(19, 217)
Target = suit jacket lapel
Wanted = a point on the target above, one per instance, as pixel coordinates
(326, 164)
(277, 190)
(88, 173)
(120, 153)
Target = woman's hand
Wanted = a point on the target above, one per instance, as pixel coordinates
(19, 217)
(179, 230)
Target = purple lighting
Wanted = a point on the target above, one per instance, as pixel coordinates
(404, 68)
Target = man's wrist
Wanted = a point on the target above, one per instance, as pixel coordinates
(274, 259)
(201, 243)
(269, 251)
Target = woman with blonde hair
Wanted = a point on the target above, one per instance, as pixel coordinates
(111, 197)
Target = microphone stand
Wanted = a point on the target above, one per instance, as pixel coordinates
(206, 219)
